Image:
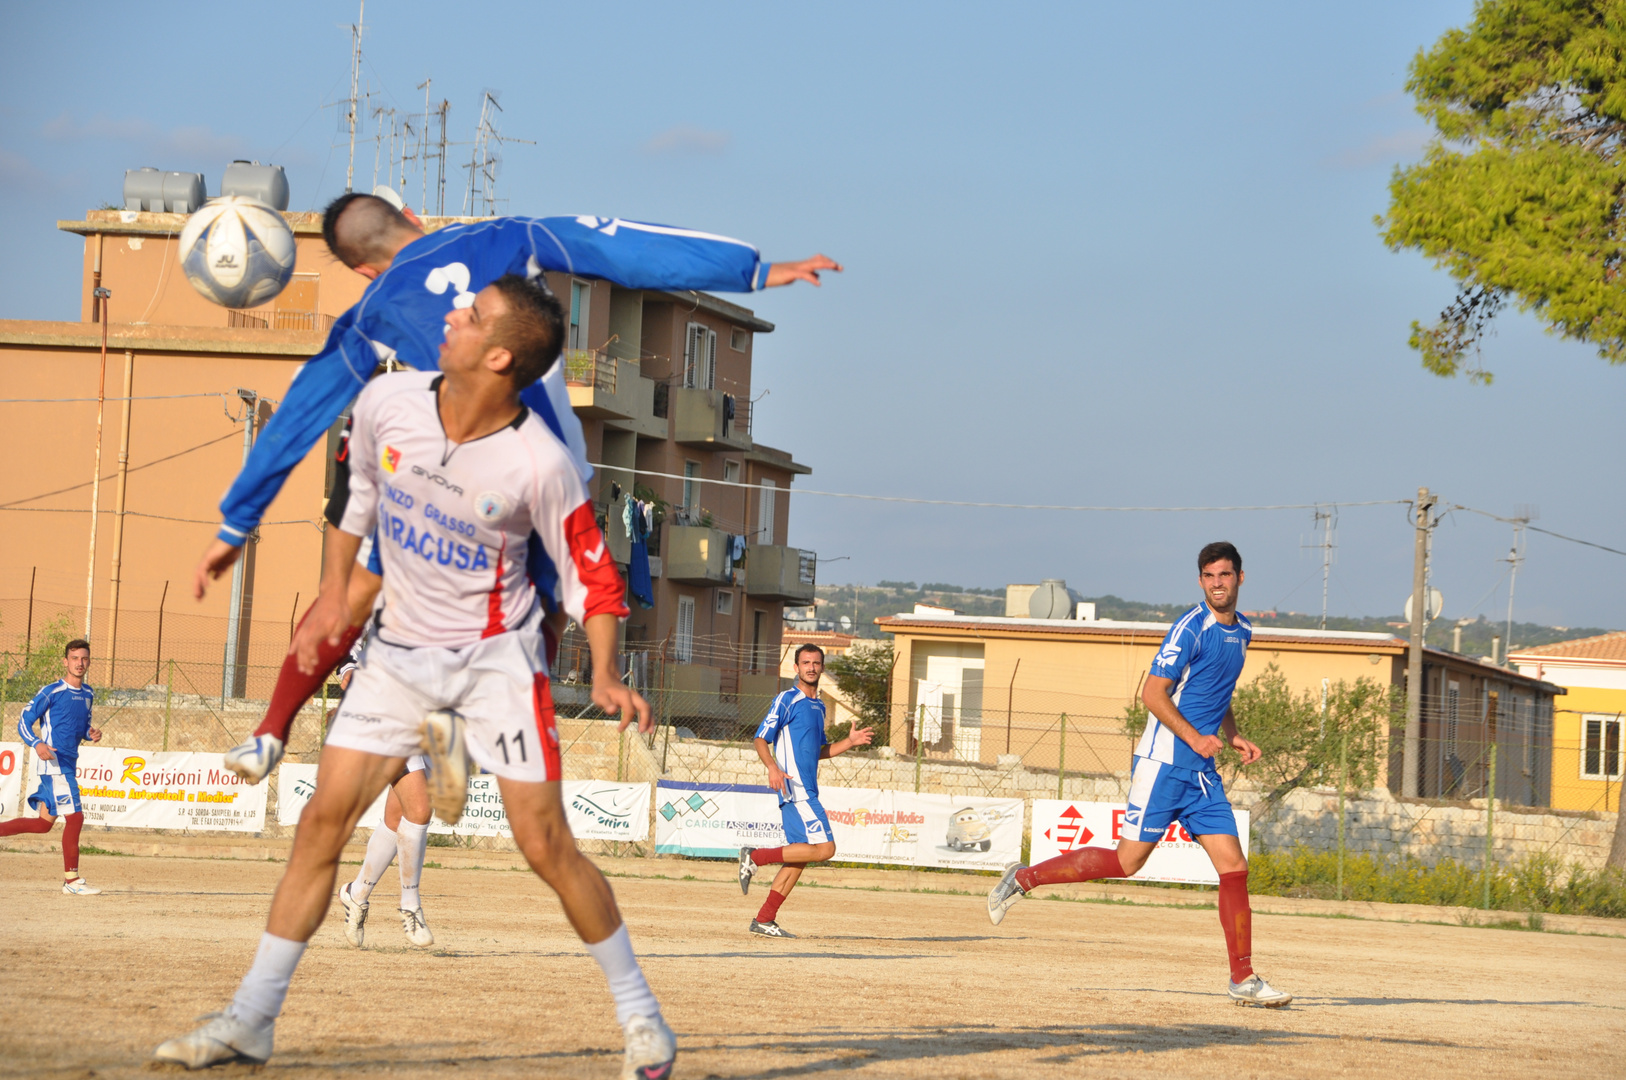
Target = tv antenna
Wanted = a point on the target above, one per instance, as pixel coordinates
(1326, 523)
(1523, 514)
(486, 161)
(355, 79)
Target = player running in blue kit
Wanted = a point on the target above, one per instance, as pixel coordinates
(791, 743)
(62, 711)
(1188, 694)
(418, 279)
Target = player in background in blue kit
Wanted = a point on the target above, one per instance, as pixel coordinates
(418, 279)
(791, 743)
(1188, 694)
(62, 711)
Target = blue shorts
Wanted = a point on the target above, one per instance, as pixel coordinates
(1160, 794)
(57, 794)
(806, 822)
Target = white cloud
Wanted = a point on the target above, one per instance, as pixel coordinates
(1383, 149)
(685, 139)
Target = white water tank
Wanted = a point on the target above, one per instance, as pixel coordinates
(1051, 600)
(262, 183)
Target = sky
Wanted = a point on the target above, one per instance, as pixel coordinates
(1096, 254)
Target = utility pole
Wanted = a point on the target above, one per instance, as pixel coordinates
(99, 297)
(423, 149)
(1327, 522)
(1414, 663)
(1522, 516)
(228, 672)
(355, 77)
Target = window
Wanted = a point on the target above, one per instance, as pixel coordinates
(738, 339)
(683, 640)
(691, 486)
(731, 471)
(700, 357)
(1600, 758)
(765, 512)
(725, 602)
(581, 293)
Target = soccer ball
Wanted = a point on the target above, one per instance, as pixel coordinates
(237, 252)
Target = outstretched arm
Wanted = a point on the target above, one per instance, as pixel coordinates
(783, 273)
(855, 737)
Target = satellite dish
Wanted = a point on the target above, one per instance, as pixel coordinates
(846, 623)
(1436, 604)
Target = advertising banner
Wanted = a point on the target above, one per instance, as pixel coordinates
(715, 820)
(143, 789)
(1060, 826)
(596, 809)
(11, 779)
(969, 832)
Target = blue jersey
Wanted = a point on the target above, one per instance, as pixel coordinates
(63, 714)
(794, 729)
(1204, 658)
(402, 317)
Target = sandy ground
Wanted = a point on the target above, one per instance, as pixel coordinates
(880, 984)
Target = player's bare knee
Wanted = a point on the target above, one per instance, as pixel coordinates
(824, 852)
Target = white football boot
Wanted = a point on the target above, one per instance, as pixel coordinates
(448, 764)
(748, 869)
(355, 916)
(651, 1049)
(417, 931)
(1256, 991)
(255, 759)
(1004, 895)
(222, 1039)
(80, 887)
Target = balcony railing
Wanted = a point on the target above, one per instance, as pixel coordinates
(585, 367)
(708, 417)
(774, 572)
(279, 320)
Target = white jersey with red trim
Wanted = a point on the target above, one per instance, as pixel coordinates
(452, 519)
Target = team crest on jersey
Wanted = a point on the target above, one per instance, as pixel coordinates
(392, 458)
(489, 506)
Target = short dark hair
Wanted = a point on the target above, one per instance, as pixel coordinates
(76, 643)
(368, 229)
(808, 648)
(532, 329)
(1213, 553)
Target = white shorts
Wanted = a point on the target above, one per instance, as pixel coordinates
(499, 686)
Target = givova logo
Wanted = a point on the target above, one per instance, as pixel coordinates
(1169, 655)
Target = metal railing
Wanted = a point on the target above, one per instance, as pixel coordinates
(587, 367)
(280, 320)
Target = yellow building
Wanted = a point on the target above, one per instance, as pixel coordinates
(1587, 719)
(987, 686)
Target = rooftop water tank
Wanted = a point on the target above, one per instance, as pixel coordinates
(158, 192)
(262, 183)
(1051, 600)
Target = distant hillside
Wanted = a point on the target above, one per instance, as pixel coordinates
(863, 604)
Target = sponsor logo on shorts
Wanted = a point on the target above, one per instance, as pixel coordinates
(390, 459)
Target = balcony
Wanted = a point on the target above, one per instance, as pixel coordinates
(601, 387)
(702, 418)
(773, 572)
(696, 555)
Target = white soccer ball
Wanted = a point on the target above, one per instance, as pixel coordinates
(237, 252)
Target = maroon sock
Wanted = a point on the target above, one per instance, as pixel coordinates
(1236, 919)
(25, 825)
(762, 856)
(1085, 864)
(294, 688)
(70, 840)
(770, 906)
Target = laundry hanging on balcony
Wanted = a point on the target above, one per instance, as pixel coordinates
(635, 518)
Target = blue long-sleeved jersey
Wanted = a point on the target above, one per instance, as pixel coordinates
(402, 317)
(63, 713)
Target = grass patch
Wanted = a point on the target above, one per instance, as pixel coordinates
(1534, 886)
(87, 849)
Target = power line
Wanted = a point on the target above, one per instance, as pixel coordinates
(111, 475)
(155, 517)
(148, 397)
(1535, 528)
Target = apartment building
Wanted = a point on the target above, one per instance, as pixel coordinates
(662, 384)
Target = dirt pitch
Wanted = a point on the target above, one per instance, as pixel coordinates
(880, 984)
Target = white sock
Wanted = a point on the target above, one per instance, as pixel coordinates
(380, 850)
(411, 841)
(260, 994)
(633, 997)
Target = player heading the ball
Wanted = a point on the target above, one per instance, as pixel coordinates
(459, 632)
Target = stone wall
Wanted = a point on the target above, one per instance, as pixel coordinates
(1376, 821)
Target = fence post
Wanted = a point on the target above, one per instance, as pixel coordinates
(1061, 758)
(1490, 824)
(920, 744)
(1343, 777)
(169, 689)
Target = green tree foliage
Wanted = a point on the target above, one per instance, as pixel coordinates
(864, 677)
(1520, 198)
(22, 674)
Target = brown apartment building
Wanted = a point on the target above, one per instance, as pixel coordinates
(662, 383)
